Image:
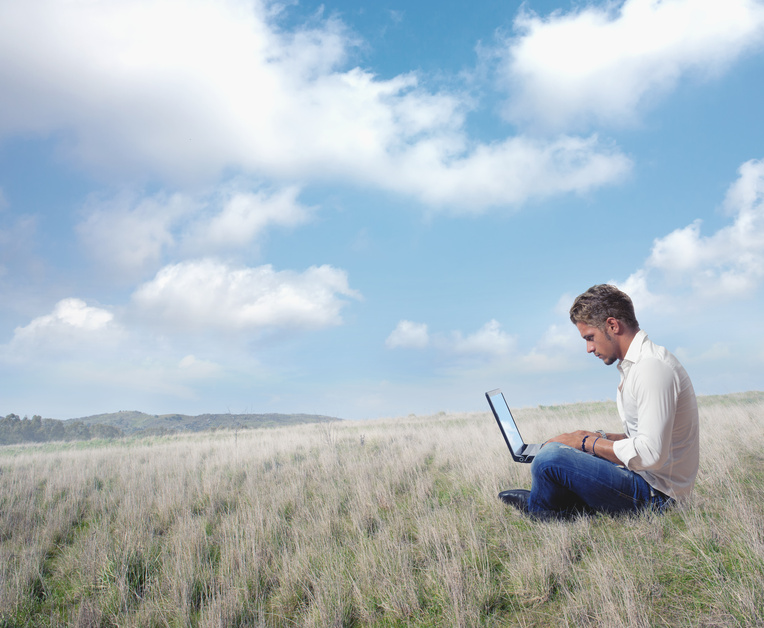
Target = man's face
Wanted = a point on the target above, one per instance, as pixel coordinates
(600, 343)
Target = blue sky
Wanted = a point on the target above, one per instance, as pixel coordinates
(365, 211)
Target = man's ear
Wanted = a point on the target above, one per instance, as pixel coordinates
(614, 325)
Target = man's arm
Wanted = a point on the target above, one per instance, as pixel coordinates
(595, 443)
(653, 389)
(610, 436)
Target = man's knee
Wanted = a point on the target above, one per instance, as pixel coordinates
(548, 454)
(551, 456)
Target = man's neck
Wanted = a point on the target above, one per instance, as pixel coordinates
(624, 342)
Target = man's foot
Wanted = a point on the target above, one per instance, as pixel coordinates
(517, 497)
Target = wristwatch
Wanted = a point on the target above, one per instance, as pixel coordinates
(602, 433)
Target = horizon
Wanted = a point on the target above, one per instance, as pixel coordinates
(371, 211)
(487, 411)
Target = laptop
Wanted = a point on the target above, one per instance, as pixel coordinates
(517, 447)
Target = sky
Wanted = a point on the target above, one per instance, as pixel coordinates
(371, 210)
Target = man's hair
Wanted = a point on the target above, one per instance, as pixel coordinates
(599, 303)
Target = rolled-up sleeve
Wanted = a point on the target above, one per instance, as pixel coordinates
(655, 390)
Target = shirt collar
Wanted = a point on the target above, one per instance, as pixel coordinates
(632, 353)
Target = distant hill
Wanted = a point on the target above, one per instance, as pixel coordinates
(132, 422)
(15, 430)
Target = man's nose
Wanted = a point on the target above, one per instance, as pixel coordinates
(589, 347)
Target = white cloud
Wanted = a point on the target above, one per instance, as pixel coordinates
(727, 264)
(561, 338)
(84, 352)
(245, 215)
(557, 349)
(71, 326)
(717, 352)
(636, 286)
(130, 235)
(18, 238)
(207, 294)
(489, 340)
(490, 353)
(408, 334)
(136, 92)
(603, 63)
(76, 314)
(508, 172)
(193, 367)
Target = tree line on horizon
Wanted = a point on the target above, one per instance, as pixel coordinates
(15, 430)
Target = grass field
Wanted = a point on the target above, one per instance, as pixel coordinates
(379, 523)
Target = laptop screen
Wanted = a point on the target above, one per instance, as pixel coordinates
(501, 408)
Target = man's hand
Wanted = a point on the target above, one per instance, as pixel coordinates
(574, 439)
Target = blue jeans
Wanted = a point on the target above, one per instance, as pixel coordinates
(567, 481)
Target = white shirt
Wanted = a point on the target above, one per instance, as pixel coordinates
(659, 413)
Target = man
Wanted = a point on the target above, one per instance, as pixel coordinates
(655, 461)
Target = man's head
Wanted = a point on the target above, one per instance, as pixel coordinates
(599, 303)
(606, 321)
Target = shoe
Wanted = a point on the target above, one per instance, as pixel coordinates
(517, 497)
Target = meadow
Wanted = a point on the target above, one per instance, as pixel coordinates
(391, 522)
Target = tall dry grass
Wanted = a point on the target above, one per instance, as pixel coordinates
(379, 523)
